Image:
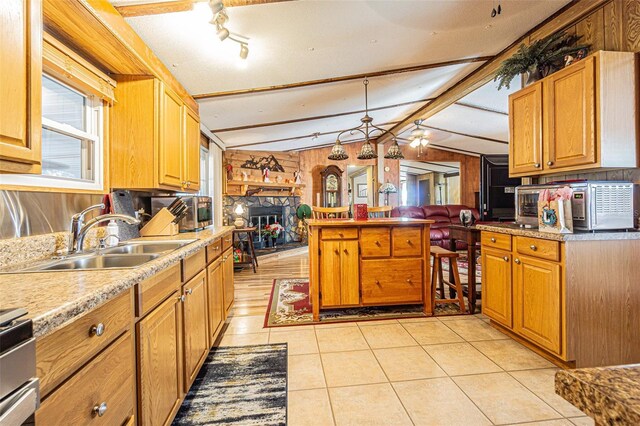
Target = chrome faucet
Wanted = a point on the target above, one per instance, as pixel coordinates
(77, 220)
(99, 219)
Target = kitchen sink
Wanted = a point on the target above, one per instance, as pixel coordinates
(97, 261)
(144, 247)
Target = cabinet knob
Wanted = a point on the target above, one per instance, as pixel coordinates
(377, 283)
(409, 242)
(377, 243)
(506, 258)
(189, 291)
(533, 247)
(97, 330)
(336, 251)
(346, 251)
(493, 240)
(188, 184)
(537, 165)
(99, 410)
(549, 163)
(182, 298)
(409, 281)
(517, 261)
(341, 234)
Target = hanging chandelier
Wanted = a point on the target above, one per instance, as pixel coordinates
(368, 130)
(419, 137)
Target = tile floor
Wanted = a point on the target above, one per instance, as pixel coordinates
(425, 371)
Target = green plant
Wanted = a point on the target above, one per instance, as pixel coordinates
(542, 56)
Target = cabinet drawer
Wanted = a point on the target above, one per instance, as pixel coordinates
(108, 379)
(65, 350)
(193, 264)
(536, 247)
(407, 241)
(496, 240)
(375, 242)
(227, 241)
(154, 290)
(392, 281)
(214, 250)
(339, 233)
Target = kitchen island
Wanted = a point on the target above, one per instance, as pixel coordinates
(372, 262)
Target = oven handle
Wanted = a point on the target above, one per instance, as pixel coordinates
(19, 407)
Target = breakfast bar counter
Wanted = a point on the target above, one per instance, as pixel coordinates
(372, 262)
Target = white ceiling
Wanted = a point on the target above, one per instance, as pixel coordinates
(303, 40)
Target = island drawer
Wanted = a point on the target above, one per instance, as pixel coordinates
(227, 241)
(496, 240)
(339, 233)
(62, 352)
(214, 250)
(392, 281)
(104, 385)
(154, 290)
(537, 247)
(375, 242)
(193, 264)
(407, 241)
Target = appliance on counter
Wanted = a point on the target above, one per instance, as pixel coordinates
(595, 205)
(199, 212)
(19, 386)
(497, 189)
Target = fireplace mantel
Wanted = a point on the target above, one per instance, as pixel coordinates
(261, 189)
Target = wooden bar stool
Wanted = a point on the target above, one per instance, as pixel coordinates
(437, 277)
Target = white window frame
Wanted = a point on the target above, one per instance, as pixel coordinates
(94, 120)
(206, 172)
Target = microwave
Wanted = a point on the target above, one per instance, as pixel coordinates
(199, 211)
(595, 205)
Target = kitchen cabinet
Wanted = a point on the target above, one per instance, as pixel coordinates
(20, 86)
(215, 295)
(581, 117)
(160, 364)
(496, 286)
(154, 137)
(227, 277)
(339, 282)
(195, 326)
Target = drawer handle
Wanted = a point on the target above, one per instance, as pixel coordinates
(549, 163)
(506, 258)
(182, 298)
(346, 251)
(378, 283)
(216, 248)
(533, 247)
(99, 410)
(409, 242)
(409, 281)
(493, 240)
(537, 165)
(97, 330)
(189, 291)
(341, 234)
(517, 261)
(378, 243)
(336, 251)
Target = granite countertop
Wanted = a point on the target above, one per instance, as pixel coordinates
(513, 229)
(54, 298)
(610, 395)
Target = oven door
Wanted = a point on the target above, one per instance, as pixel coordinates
(18, 407)
(527, 208)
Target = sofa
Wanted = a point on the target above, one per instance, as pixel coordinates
(443, 216)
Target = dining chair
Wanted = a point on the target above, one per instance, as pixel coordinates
(381, 211)
(330, 212)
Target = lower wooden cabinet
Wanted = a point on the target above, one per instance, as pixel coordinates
(391, 281)
(195, 327)
(537, 302)
(339, 277)
(159, 348)
(100, 393)
(215, 298)
(496, 286)
(227, 276)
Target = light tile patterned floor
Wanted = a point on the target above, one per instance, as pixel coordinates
(431, 371)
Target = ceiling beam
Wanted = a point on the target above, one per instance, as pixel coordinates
(566, 16)
(316, 117)
(453, 132)
(341, 78)
(162, 7)
(442, 148)
(481, 108)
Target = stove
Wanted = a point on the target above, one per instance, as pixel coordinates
(19, 386)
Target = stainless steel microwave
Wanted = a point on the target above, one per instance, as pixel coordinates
(595, 205)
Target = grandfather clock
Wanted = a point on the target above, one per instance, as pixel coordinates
(331, 186)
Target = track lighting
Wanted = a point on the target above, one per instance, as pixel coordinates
(216, 7)
(222, 33)
(219, 19)
(244, 51)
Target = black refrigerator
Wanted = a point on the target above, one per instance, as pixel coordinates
(497, 189)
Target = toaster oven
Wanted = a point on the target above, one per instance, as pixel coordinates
(595, 205)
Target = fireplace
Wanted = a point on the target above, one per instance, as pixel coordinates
(262, 216)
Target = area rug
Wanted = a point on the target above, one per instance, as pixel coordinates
(239, 386)
(289, 304)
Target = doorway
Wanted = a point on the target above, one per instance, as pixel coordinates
(424, 192)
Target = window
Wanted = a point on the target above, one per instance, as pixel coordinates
(72, 152)
(204, 172)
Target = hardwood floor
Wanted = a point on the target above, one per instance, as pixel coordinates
(252, 291)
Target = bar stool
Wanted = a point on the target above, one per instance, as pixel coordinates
(437, 277)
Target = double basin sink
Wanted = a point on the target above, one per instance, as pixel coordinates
(127, 255)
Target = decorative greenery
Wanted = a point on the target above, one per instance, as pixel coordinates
(543, 56)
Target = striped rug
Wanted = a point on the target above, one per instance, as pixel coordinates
(239, 386)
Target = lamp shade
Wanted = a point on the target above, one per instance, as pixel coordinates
(367, 152)
(338, 153)
(394, 152)
(239, 209)
(387, 188)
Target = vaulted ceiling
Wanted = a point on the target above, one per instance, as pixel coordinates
(292, 42)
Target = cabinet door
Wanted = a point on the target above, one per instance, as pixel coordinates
(349, 273)
(215, 296)
(569, 116)
(525, 130)
(537, 302)
(20, 85)
(159, 337)
(191, 150)
(330, 275)
(196, 338)
(496, 286)
(227, 273)
(170, 140)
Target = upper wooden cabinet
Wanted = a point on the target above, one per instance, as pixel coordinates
(581, 117)
(20, 86)
(155, 138)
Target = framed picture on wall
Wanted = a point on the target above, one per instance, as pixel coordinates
(362, 190)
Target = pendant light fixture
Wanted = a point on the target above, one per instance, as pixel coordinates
(419, 137)
(367, 129)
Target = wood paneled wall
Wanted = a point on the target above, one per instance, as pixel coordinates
(290, 162)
